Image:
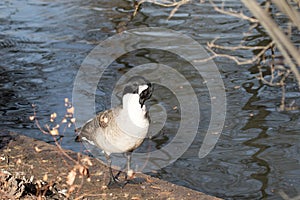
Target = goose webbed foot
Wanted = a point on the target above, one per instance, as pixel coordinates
(114, 182)
(136, 181)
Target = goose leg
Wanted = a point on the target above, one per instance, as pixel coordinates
(131, 180)
(126, 168)
(128, 154)
(113, 181)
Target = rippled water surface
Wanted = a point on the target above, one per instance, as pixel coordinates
(43, 43)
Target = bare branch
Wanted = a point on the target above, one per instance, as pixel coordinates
(239, 47)
(289, 11)
(283, 43)
(234, 13)
(237, 60)
(163, 3)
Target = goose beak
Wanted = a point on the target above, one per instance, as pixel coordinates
(146, 94)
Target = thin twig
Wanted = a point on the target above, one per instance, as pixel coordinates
(283, 43)
(239, 61)
(292, 13)
(163, 3)
(77, 164)
(234, 14)
(239, 47)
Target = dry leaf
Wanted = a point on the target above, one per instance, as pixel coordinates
(37, 149)
(45, 177)
(73, 120)
(71, 189)
(70, 110)
(53, 115)
(19, 161)
(56, 127)
(165, 193)
(81, 169)
(54, 131)
(104, 187)
(155, 187)
(71, 177)
(135, 198)
(149, 180)
(86, 160)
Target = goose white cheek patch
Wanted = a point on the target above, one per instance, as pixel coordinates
(142, 88)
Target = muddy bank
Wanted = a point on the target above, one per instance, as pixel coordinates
(32, 168)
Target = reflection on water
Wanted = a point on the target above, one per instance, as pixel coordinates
(254, 122)
(43, 43)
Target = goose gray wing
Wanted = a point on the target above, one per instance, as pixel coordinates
(88, 130)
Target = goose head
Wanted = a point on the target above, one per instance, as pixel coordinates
(139, 86)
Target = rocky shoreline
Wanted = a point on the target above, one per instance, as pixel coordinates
(33, 169)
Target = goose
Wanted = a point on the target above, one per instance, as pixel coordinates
(121, 129)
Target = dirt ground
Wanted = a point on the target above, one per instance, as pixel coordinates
(32, 169)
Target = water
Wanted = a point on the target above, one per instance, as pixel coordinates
(43, 43)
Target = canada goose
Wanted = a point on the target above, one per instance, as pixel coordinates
(121, 129)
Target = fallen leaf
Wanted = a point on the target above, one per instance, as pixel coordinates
(155, 187)
(135, 198)
(37, 149)
(53, 115)
(19, 161)
(165, 193)
(104, 187)
(86, 160)
(73, 120)
(71, 189)
(54, 131)
(45, 177)
(70, 110)
(71, 177)
(149, 180)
